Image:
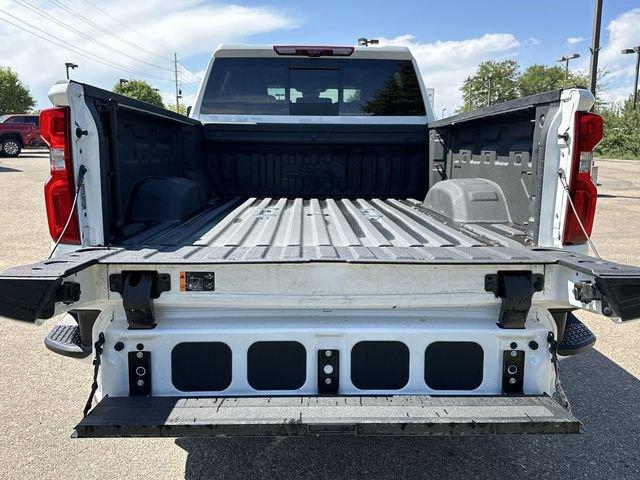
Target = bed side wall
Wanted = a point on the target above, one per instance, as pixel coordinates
(506, 147)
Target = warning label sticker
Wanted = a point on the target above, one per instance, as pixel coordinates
(197, 281)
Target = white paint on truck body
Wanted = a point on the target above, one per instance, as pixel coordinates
(325, 305)
(558, 155)
(327, 329)
(85, 150)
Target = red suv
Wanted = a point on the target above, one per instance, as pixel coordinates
(17, 131)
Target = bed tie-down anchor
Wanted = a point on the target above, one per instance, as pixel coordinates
(516, 289)
(139, 289)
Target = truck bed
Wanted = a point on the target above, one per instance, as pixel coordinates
(295, 229)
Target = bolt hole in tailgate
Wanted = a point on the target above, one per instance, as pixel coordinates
(295, 416)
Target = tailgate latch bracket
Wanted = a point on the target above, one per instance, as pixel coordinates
(139, 289)
(516, 289)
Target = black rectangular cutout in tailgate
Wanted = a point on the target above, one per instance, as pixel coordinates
(295, 416)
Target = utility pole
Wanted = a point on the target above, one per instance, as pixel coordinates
(175, 72)
(566, 59)
(635, 50)
(69, 65)
(595, 47)
(489, 78)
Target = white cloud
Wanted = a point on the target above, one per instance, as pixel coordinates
(575, 40)
(535, 41)
(618, 94)
(446, 64)
(623, 32)
(190, 27)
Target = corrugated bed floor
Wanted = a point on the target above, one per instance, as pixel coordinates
(294, 230)
(282, 222)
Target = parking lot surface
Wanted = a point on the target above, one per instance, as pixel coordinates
(42, 394)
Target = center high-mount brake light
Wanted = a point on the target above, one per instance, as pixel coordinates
(314, 51)
(59, 189)
(583, 192)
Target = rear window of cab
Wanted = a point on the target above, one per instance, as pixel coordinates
(286, 86)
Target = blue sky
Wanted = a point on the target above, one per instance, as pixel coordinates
(448, 38)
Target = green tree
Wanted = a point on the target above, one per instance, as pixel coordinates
(14, 95)
(180, 108)
(493, 82)
(541, 78)
(398, 96)
(140, 90)
(621, 130)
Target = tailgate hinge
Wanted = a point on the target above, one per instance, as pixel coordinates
(516, 289)
(138, 289)
(68, 293)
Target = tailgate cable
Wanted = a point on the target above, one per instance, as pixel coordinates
(81, 173)
(562, 396)
(96, 367)
(563, 180)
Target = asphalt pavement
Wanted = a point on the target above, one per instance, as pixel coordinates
(42, 394)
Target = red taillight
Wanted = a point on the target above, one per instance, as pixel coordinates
(583, 192)
(314, 51)
(59, 190)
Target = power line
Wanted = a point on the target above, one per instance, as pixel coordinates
(104, 30)
(187, 82)
(120, 22)
(189, 89)
(194, 80)
(187, 71)
(189, 86)
(72, 48)
(48, 16)
(186, 85)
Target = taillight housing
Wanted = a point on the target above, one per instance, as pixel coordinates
(59, 189)
(308, 51)
(582, 190)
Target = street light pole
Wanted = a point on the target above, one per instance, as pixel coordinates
(69, 65)
(566, 59)
(635, 50)
(595, 47)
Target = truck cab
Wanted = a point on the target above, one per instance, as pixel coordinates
(18, 131)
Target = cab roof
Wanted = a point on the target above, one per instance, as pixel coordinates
(268, 51)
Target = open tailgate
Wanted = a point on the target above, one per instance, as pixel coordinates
(40, 290)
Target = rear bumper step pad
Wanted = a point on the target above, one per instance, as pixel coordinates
(65, 340)
(577, 337)
(295, 416)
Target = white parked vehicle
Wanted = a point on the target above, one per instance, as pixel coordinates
(311, 252)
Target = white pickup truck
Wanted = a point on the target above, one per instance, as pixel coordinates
(311, 252)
